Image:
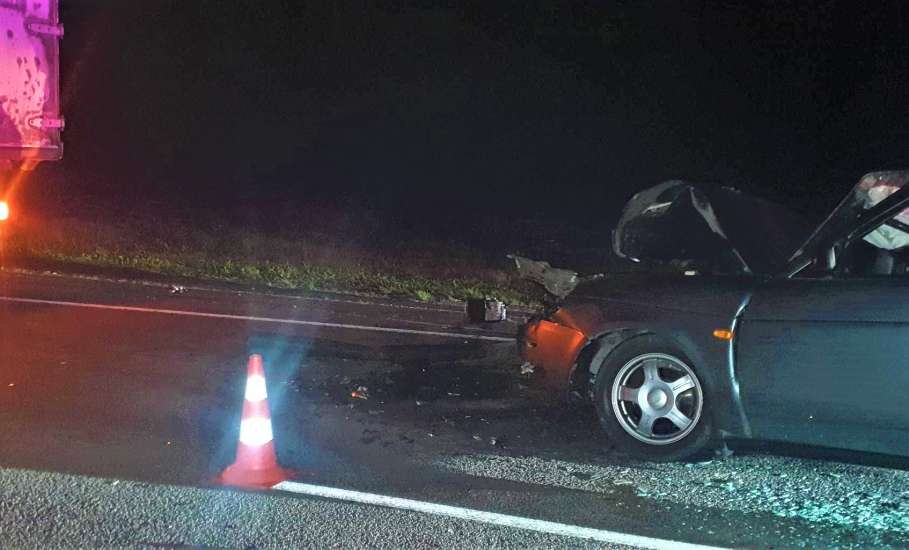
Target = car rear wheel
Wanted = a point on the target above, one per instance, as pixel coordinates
(651, 402)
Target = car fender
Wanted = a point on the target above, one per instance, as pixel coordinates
(691, 332)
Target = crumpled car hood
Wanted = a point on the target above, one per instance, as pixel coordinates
(709, 229)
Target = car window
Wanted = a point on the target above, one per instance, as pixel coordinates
(883, 252)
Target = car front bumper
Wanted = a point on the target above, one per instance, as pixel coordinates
(552, 348)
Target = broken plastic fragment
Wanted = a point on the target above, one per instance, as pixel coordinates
(480, 310)
(362, 392)
(724, 451)
(527, 368)
(558, 282)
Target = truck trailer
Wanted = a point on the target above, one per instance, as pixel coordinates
(30, 118)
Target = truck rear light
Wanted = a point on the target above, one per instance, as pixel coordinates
(4, 211)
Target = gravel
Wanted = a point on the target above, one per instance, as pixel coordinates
(847, 495)
(44, 510)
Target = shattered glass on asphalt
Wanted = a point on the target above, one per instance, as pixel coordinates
(843, 494)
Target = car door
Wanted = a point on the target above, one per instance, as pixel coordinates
(825, 360)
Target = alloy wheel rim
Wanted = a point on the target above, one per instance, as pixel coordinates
(657, 398)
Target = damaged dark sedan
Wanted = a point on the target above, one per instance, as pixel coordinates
(753, 326)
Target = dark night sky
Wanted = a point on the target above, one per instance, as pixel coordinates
(545, 108)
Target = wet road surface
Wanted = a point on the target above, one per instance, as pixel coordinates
(435, 411)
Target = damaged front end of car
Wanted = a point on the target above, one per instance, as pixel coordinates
(549, 342)
(674, 227)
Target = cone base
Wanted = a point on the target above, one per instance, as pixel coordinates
(266, 478)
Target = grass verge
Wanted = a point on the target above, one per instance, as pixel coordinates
(424, 271)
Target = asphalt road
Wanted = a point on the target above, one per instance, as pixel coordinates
(120, 403)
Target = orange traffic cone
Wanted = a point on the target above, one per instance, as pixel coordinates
(256, 465)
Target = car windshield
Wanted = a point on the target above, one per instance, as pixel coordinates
(872, 190)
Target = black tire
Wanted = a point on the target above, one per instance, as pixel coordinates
(617, 420)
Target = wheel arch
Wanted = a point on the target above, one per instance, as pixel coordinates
(604, 344)
(595, 353)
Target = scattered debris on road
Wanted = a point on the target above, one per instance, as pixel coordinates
(362, 392)
(370, 436)
(442, 395)
(486, 311)
(178, 289)
(527, 368)
(724, 452)
(851, 496)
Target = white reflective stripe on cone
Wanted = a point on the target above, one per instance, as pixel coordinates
(255, 431)
(255, 389)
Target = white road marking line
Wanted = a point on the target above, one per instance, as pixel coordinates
(468, 514)
(137, 309)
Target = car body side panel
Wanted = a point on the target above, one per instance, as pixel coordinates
(672, 292)
(684, 310)
(824, 361)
